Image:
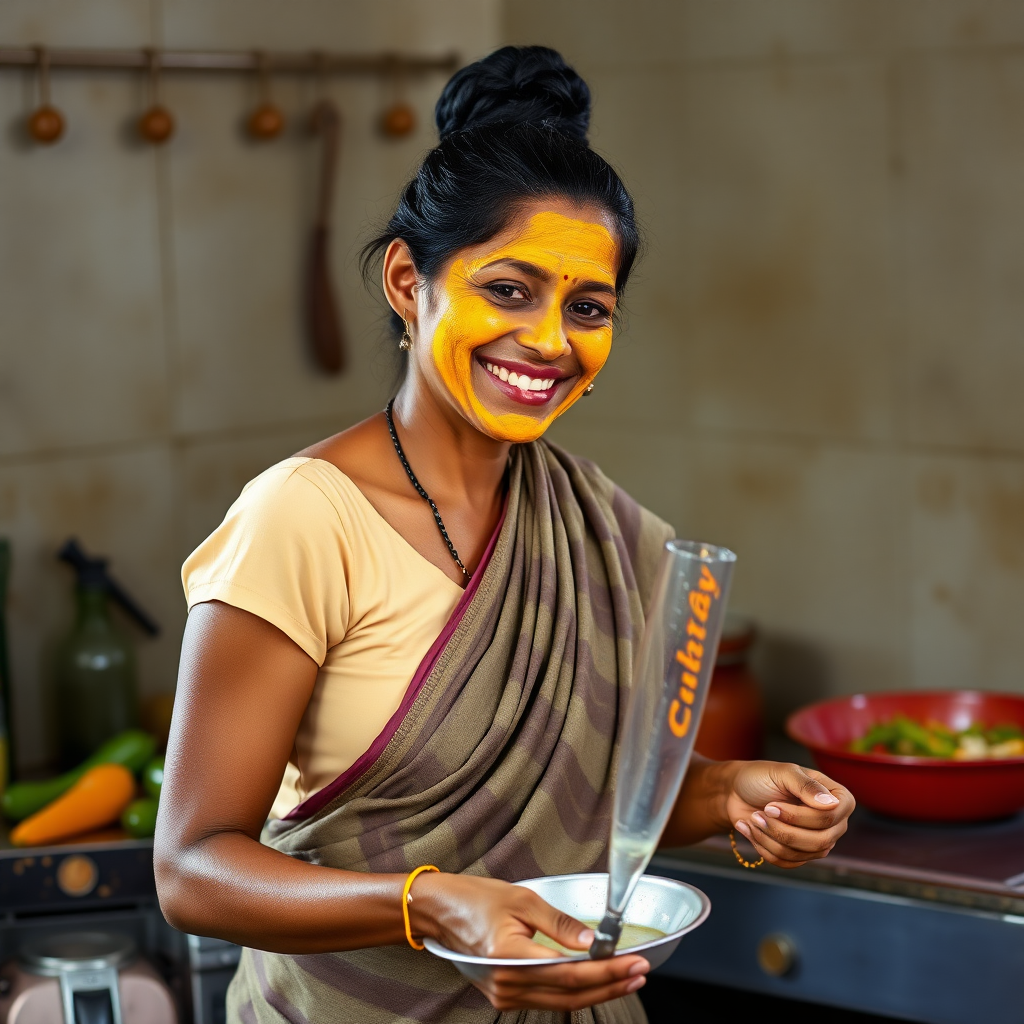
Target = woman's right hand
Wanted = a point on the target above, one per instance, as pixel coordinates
(491, 918)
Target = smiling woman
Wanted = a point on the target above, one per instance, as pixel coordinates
(409, 645)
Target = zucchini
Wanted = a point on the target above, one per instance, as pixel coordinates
(132, 749)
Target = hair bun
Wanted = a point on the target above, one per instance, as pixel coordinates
(516, 85)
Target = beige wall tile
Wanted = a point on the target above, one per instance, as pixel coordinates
(968, 581)
(472, 27)
(954, 24)
(821, 537)
(81, 337)
(596, 34)
(785, 266)
(963, 154)
(98, 23)
(732, 29)
(118, 505)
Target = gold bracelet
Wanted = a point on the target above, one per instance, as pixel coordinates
(407, 899)
(739, 856)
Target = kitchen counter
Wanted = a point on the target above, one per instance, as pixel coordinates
(916, 922)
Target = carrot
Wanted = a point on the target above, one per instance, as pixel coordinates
(95, 800)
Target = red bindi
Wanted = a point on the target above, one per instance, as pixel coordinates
(567, 277)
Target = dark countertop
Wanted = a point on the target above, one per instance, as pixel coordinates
(976, 866)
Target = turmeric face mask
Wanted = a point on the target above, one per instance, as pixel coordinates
(524, 327)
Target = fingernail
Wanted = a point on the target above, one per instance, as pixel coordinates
(826, 798)
(759, 818)
(635, 984)
(640, 967)
(743, 827)
(772, 811)
(586, 936)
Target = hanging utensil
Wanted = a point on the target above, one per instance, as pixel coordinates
(46, 124)
(156, 125)
(266, 121)
(321, 308)
(399, 119)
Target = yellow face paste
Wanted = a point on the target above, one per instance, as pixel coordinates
(568, 251)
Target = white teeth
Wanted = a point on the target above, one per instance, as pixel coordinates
(521, 380)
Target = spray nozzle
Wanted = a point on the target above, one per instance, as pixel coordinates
(92, 575)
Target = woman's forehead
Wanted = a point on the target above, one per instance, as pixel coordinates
(565, 238)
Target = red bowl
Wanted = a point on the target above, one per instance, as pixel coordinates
(916, 788)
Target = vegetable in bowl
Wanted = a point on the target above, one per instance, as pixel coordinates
(902, 736)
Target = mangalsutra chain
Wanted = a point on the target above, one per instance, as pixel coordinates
(419, 487)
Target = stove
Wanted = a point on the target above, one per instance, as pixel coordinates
(916, 922)
(108, 885)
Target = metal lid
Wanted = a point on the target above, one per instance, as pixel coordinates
(52, 955)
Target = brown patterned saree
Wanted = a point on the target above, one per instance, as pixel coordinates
(500, 760)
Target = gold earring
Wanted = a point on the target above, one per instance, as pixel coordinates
(406, 343)
(589, 389)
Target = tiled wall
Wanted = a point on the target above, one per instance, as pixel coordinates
(823, 363)
(151, 353)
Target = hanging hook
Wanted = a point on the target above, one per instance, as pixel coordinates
(156, 125)
(46, 125)
(266, 121)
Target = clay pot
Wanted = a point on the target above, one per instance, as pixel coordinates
(733, 724)
(266, 122)
(46, 125)
(397, 121)
(156, 125)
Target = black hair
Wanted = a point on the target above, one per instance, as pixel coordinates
(513, 127)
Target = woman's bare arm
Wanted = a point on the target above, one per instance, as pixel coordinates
(242, 689)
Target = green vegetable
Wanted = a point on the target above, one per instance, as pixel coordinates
(902, 735)
(139, 817)
(132, 749)
(153, 777)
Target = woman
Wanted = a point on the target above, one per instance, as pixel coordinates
(442, 542)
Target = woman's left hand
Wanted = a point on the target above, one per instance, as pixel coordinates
(790, 815)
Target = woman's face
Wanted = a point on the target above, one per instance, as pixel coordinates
(519, 326)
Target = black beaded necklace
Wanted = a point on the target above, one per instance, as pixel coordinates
(419, 487)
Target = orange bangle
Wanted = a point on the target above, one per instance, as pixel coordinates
(407, 899)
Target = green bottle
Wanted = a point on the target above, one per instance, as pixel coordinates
(96, 678)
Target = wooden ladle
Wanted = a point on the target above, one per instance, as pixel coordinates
(321, 307)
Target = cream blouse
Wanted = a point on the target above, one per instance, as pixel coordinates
(304, 549)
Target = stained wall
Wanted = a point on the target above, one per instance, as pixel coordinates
(151, 349)
(823, 360)
(821, 363)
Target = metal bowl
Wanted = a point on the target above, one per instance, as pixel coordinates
(663, 903)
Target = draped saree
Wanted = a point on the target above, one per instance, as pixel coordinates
(500, 760)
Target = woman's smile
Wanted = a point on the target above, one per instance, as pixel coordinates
(522, 382)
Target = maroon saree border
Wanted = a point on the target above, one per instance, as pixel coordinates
(322, 797)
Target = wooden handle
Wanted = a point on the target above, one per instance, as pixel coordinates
(323, 323)
(322, 310)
